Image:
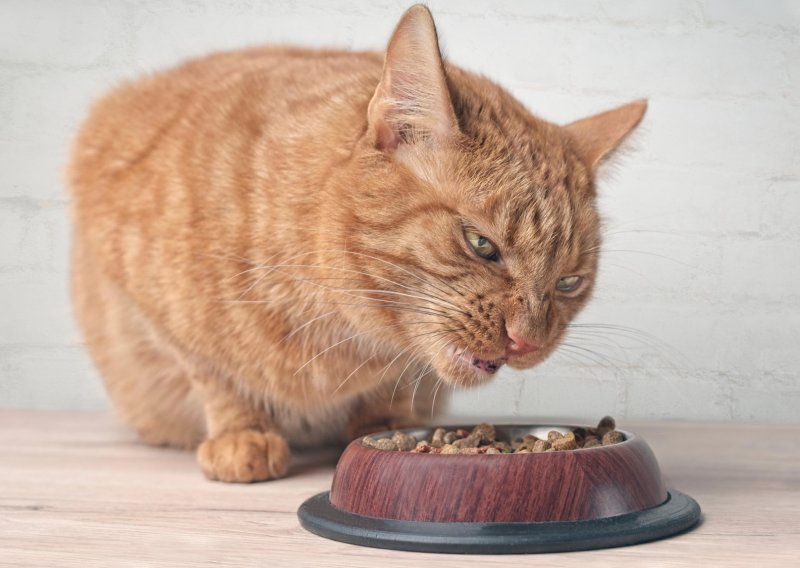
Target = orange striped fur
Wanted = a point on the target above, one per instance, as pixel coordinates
(269, 243)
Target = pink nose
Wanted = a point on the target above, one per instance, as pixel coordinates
(518, 344)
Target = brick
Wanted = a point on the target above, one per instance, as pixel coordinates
(750, 17)
(36, 309)
(49, 105)
(661, 396)
(666, 335)
(525, 56)
(682, 201)
(790, 57)
(704, 63)
(50, 33)
(760, 272)
(672, 16)
(29, 235)
(170, 33)
(49, 377)
(658, 267)
(771, 405)
(759, 344)
(722, 134)
(780, 214)
(569, 386)
(579, 13)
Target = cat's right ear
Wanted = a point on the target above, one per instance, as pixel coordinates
(596, 137)
(412, 102)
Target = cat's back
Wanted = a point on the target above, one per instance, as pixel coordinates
(173, 173)
(257, 90)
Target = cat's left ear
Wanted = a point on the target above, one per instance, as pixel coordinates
(412, 102)
(596, 137)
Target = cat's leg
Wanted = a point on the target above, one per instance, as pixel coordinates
(146, 383)
(160, 396)
(243, 444)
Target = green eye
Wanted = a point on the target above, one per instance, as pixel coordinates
(568, 283)
(482, 246)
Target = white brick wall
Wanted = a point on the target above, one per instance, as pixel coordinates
(703, 210)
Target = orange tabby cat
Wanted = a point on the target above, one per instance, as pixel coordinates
(272, 244)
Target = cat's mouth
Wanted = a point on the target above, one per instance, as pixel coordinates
(485, 366)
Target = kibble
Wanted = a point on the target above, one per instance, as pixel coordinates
(540, 446)
(404, 442)
(482, 439)
(565, 442)
(449, 449)
(612, 437)
(552, 436)
(423, 447)
(471, 441)
(380, 444)
(607, 422)
(486, 431)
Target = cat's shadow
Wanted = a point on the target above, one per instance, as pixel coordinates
(315, 460)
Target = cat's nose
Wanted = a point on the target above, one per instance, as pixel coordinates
(518, 344)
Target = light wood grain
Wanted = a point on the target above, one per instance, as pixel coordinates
(76, 489)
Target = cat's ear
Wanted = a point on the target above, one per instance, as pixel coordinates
(595, 137)
(412, 102)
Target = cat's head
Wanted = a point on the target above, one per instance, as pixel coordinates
(476, 220)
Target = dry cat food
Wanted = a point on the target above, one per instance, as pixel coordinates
(483, 439)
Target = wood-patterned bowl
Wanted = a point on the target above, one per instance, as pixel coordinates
(576, 485)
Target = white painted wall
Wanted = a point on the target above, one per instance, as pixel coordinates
(703, 241)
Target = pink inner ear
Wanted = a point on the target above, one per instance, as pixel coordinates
(411, 101)
(386, 139)
(401, 100)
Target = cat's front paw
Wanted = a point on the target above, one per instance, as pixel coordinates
(244, 457)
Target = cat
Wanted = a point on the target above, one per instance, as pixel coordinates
(279, 246)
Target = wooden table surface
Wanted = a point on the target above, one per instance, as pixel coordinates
(77, 489)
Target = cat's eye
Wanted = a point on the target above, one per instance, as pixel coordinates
(482, 246)
(568, 283)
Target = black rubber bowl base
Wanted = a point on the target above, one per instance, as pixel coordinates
(677, 514)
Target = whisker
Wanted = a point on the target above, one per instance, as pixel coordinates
(316, 356)
(419, 349)
(405, 270)
(399, 307)
(642, 336)
(294, 331)
(428, 296)
(599, 356)
(353, 372)
(436, 387)
(388, 292)
(425, 371)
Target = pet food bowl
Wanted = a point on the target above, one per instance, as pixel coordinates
(499, 503)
